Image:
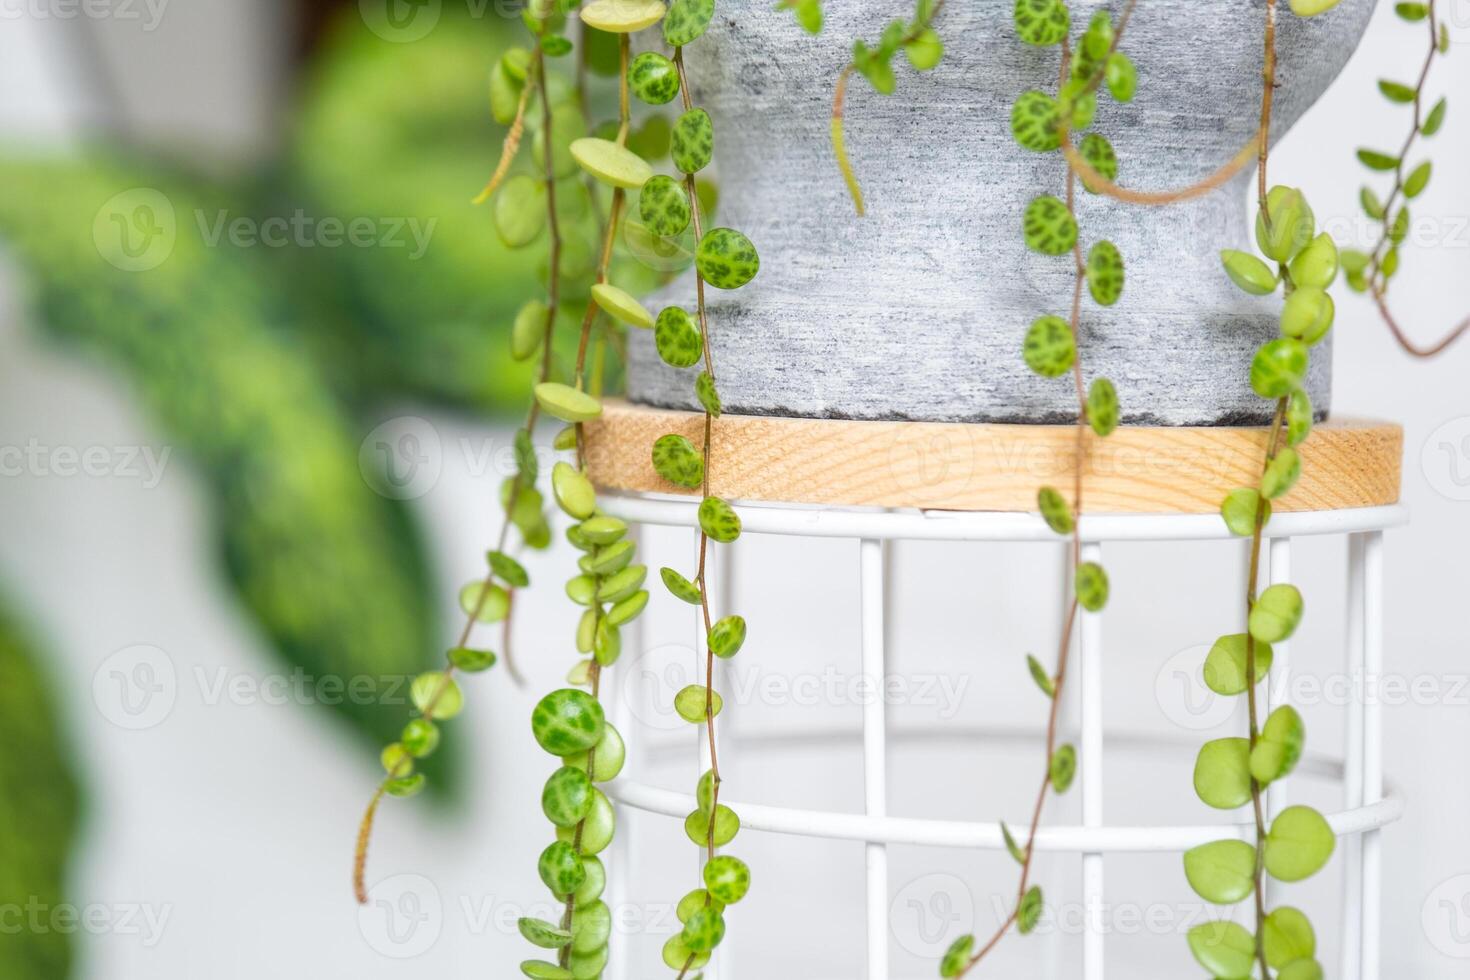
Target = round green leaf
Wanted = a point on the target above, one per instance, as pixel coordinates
(591, 927)
(1279, 367)
(1055, 510)
(1299, 844)
(1316, 265)
(520, 210)
(1042, 22)
(1222, 872)
(677, 339)
(486, 603)
(687, 20)
(691, 701)
(1276, 613)
(621, 305)
(1063, 768)
(614, 165)
(680, 587)
(1049, 348)
(1225, 949)
(727, 825)
(597, 829)
(561, 869)
(925, 50)
(679, 957)
(692, 143)
(567, 403)
(726, 259)
(602, 529)
(607, 757)
(1225, 664)
(676, 460)
(1302, 969)
(1299, 417)
(1102, 407)
(528, 331)
(653, 78)
(574, 493)
(1035, 122)
(1099, 154)
(567, 796)
(622, 16)
(1288, 936)
(628, 609)
(1028, 913)
(727, 879)
(567, 721)
(1435, 119)
(1239, 511)
(1307, 314)
(957, 957)
(1279, 746)
(541, 970)
(1048, 226)
(663, 204)
(1222, 774)
(704, 931)
(616, 588)
(1248, 272)
(438, 690)
(707, 393)
(1105, 273)
(727, 636)
(1092, 586)
(1122, 77)
(719, 520)
(1292, 224)
(1281, 473)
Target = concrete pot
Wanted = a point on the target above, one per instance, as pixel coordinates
(918, 310)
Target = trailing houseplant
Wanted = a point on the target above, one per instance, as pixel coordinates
(668, 233)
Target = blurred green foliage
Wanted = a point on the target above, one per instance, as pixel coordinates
(38, 810)
(331, 571)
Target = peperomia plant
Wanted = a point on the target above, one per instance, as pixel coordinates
(603, 247)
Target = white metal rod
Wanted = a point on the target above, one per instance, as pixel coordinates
(944, 525)
(984, 836)
(1278, 683)
(1372, 748)
(1090, 677)
(1352, 784)
(875, 748)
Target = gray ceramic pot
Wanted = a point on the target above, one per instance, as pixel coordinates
(918, 310)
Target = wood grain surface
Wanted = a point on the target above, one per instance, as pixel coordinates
(957, 466)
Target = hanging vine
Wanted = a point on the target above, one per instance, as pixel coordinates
(1370, 272)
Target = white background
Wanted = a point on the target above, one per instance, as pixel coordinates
(234, 822)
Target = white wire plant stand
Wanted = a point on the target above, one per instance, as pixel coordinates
(1368, 800)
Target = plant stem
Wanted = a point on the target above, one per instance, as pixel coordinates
(839, 102)
(701, 578)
